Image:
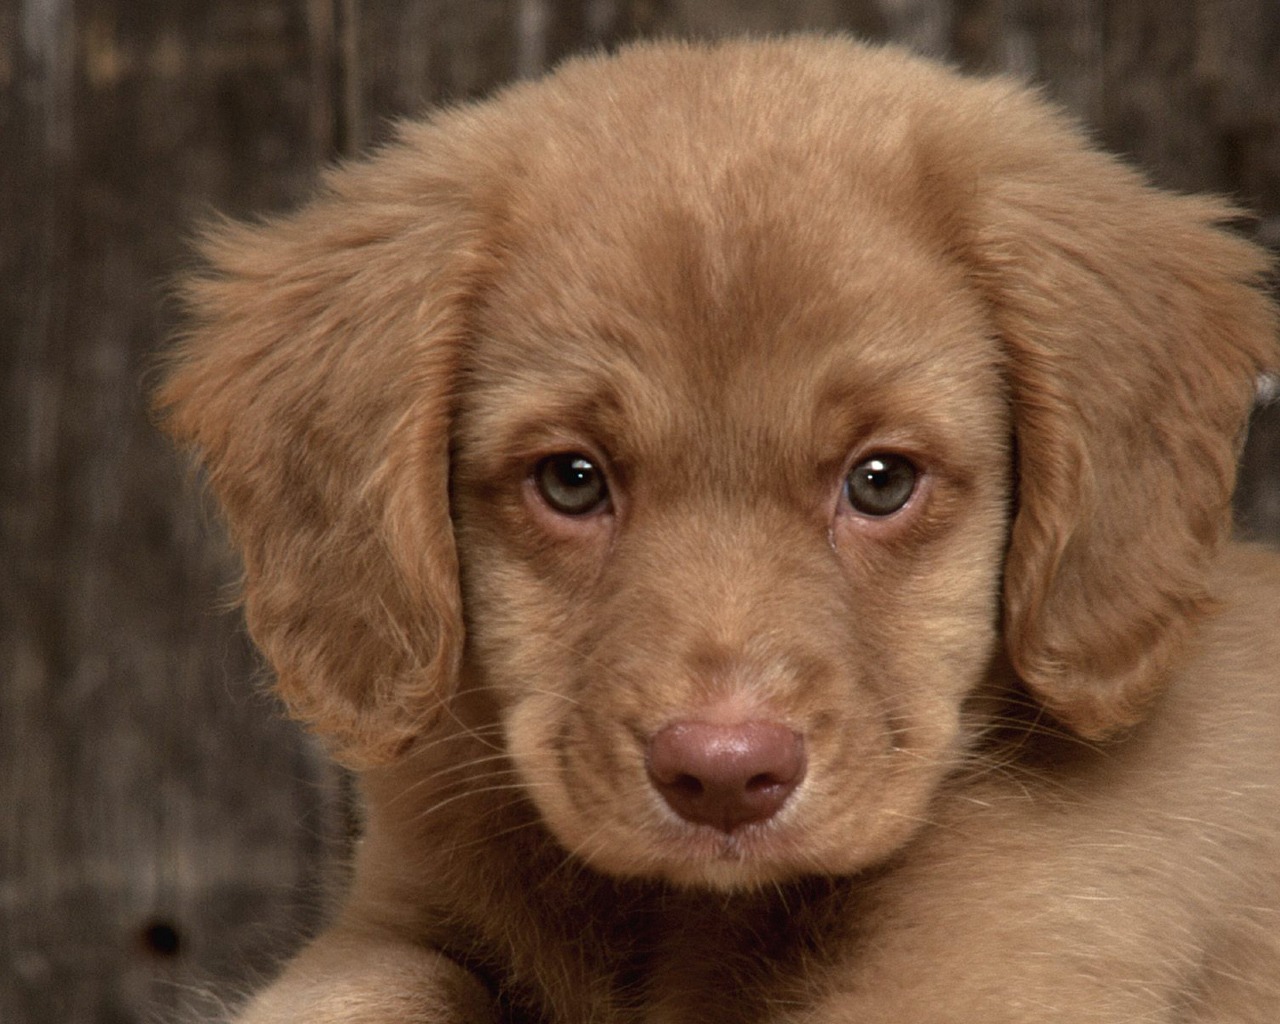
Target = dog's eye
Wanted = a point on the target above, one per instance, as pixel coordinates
(570, 483)
(880, 485)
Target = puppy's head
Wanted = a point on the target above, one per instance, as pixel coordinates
(719, 418)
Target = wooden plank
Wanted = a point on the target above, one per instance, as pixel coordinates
(404, 57)
(710, 19)
(160, 805)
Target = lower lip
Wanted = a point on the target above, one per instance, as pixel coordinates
(749, 843)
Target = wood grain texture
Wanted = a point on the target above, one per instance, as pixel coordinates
(165, 828)
(165, 833)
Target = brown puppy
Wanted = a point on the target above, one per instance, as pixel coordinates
(752, 515)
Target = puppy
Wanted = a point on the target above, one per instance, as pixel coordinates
(752, 515)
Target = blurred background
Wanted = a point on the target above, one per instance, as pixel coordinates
(164, 836)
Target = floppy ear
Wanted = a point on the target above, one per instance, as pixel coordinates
(315, 385)
(1135, 328)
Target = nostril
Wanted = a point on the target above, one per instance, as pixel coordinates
(687, 785)
(726, 775)
(758, 782)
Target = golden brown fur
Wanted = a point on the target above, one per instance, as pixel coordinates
(1039, 706)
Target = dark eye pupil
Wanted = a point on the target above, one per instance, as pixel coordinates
(570, 483)
(577, 473)
(881, 484)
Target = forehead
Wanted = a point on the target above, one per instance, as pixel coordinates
(673, 314)
(698, 271)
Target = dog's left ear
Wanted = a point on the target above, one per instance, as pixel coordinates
(315, 384)
(1135, 328)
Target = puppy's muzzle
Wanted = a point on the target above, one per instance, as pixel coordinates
(726, 776)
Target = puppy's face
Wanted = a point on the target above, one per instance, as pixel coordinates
(699, 369)
(730, 483)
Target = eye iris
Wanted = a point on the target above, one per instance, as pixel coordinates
(881, 485)
(570, 483)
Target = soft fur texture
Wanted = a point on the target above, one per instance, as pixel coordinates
(1036, 710)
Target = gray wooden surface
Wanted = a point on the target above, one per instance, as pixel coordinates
(164, 837)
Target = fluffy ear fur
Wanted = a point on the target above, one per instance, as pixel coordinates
(315, 385)
(1135, 328)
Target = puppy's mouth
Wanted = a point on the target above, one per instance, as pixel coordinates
(728, 803)
(697, 804)
(702, 856)
(654, 842)
(729, 849)
(755, 844)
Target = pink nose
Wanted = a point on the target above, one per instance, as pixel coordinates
(726, 775)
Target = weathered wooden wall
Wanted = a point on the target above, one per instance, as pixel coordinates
(162, 833)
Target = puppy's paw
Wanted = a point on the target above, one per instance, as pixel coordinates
(342, 982)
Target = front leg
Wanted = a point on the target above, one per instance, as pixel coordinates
(349, 978)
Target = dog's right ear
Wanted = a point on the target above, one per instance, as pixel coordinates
(314, 384)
